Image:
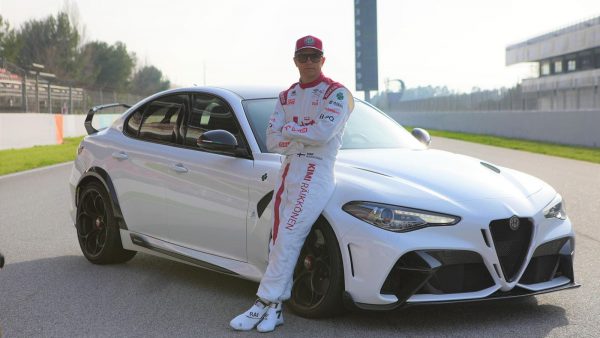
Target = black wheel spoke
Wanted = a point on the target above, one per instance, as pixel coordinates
(99, 205)
(91, 220)
(97, 229)
(88, 205)
(313, 271)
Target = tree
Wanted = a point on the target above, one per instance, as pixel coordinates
(52, 41)
(149, 80)
(106, 66)
(56, 43)
(9, 44)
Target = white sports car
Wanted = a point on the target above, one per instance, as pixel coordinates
(185, 175)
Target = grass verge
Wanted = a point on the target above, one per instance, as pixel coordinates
(573, 152)
(14, 160)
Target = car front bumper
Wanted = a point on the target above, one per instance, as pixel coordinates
(479, 258)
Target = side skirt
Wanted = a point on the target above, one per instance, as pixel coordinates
(157, 247)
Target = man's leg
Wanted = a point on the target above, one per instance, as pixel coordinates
(301, 195)
(307, 193)
(249, 319)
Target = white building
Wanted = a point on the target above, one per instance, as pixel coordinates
(569, 66)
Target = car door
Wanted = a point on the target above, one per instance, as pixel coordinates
(207, 198)
(140, 165)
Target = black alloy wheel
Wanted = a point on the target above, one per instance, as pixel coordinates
(97, 229)
(318, 281)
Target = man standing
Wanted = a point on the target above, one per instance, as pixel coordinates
(306, 126)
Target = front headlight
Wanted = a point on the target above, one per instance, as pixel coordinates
(556, 208)
(396, 218)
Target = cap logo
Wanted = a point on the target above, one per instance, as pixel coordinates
(309, 41)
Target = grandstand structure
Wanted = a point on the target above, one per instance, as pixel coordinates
(18, 93)
(56, 96)
(568, 61)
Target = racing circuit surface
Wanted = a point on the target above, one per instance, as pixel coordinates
(48, 288)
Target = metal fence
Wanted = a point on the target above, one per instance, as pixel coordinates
(29, 91)
(529, 96)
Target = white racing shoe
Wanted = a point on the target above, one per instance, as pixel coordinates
(249, 319)
(273, 318)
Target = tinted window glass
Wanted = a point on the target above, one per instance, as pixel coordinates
(209, 113)
(367, 127)
(160, 119)
(133, 123)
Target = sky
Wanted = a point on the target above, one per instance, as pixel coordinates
(459, 44)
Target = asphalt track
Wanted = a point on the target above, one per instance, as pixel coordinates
(48, 288)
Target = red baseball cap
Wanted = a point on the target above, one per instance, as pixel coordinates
(309, 41)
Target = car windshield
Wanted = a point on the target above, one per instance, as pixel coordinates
(367, 128)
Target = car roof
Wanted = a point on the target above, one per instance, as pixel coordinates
(255, 92)
(244, 92)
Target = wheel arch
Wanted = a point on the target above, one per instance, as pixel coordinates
(345, 252)
(100, 175)
(323, 219)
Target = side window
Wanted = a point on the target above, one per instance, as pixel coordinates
(209, 113)
(162, 118)
(133, 123)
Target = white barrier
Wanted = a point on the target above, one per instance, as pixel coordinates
(22, 130)
(563, 127)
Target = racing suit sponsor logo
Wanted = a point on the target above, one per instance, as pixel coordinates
(302, 130)
(315, 103)
(304, 189)
(337, 104)
(291, 101)
(306, 122)
(327, 117)
(331, 89)
(284, 144)
(340, 96)
(309, 155)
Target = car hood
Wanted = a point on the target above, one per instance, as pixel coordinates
(434, 174)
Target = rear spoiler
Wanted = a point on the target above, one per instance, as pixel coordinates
(88, 120)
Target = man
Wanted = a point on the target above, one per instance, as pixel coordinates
(306, 126)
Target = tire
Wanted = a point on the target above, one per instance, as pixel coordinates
(318, 283)
(97, 228)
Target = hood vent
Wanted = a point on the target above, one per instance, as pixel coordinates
(372, 171)
(491, 167)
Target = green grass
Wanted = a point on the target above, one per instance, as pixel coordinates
(14, 160)
(573, 152)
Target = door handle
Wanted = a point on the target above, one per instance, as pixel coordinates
(179, 168)
(120, 155)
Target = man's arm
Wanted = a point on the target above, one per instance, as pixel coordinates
(276, 142)
(330, 121)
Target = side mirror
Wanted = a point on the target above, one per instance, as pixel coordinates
(422, 135)
(217, 140)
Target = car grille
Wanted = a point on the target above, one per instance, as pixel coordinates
(511, 245)
(461, 271)
(546, 263)
(446, 271)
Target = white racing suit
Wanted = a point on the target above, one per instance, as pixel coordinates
(307, 127)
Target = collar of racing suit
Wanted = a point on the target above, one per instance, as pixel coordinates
(312, 83)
